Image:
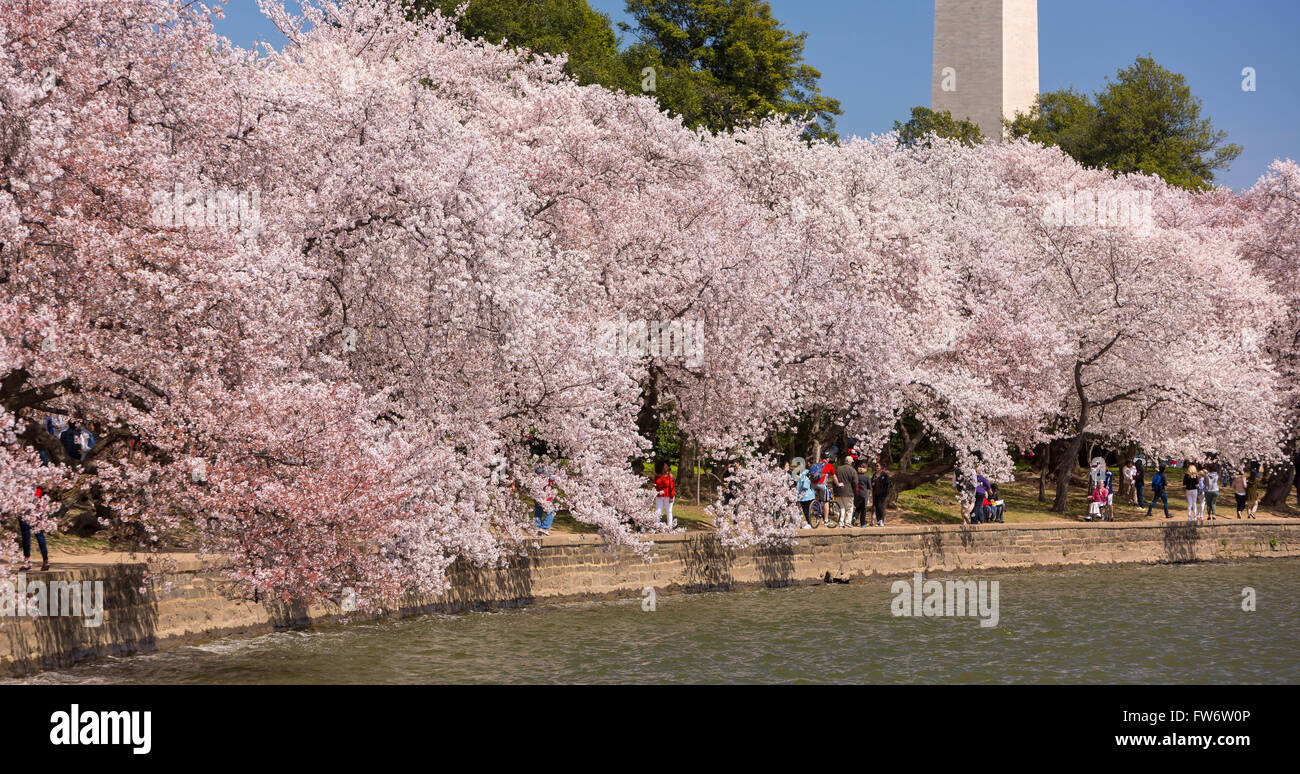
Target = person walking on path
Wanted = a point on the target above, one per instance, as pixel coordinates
(665, 494)
(1254, 493)
(25, 540)
(1239, 491)
(1159, 491)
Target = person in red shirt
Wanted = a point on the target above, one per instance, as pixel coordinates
(665, 493)
(826, 478)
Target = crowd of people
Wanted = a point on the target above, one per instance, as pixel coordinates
(1201, 488)
(978, 498)
(1202, 485)
(850, 483)
(853, 485)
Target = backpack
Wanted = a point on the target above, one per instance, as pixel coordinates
(815, 472)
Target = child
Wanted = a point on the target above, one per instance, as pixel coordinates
(999, 505)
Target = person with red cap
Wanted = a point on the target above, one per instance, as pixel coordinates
(26, 540)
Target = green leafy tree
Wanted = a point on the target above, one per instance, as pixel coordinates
(722, 63)
(926, 123)
(1064, 118)
(1144, 121)
(549, 27)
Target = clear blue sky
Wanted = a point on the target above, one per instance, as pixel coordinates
(875, 57)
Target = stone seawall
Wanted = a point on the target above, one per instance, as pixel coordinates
(193, 604)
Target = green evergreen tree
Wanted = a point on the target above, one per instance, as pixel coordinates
(925, 122)
(1147, 121)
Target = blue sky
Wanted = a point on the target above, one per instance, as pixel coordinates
(875, 57)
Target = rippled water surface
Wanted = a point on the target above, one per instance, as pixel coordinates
(1166, 624)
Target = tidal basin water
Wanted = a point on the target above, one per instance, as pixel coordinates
(1162, 624)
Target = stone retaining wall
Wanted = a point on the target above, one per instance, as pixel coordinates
(194, 604)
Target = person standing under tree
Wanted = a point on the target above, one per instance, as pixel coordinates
(1192, 485)
(544, 517)
(1130, 476)
(803, 494)
(880, 493)
(965, 487)
(982, 488)
(1139, 482)
(665, 494)
(70, 439)
(861, 497)
(1210, 495)
(846, 489)
(1109, 483)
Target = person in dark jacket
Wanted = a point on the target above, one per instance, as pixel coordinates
(862, 496)
(846, 487)
(70, 438)
(1158, 494)
(880, 493)
(982, 488)
(1140, 482)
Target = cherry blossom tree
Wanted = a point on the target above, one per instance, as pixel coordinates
(1151, 295)
(337, 313)
(1274, 250)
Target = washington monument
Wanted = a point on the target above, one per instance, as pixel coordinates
(985, 60)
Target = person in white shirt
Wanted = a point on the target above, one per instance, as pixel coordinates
(1130, 471)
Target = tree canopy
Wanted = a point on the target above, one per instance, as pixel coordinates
(548, 27)
(718, 64)
(742, 64)
(1146, 121)
(926, 124)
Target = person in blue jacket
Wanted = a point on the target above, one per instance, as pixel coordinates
(1159, 482)
(803, 492)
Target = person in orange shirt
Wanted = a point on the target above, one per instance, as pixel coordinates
(665, 493)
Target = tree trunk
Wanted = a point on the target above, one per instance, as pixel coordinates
(909, 446)
(1071, 456)
(685, 464)
(1279, 486)
(1069, 459)
(647, 420)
